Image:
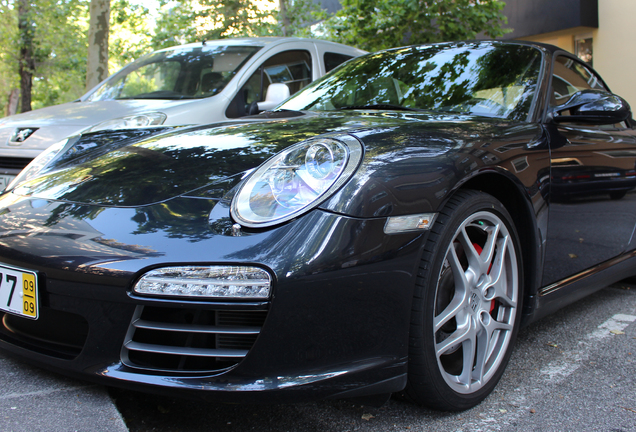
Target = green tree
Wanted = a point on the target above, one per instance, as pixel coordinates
(374, 25)
(8, 58)
(60, 51)
(131, 29)
(196, 20)
(44, 42)
(58, 34)
(294, 17)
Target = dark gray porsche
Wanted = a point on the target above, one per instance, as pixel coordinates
(387, 229)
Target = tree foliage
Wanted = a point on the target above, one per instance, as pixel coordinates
(294, 17)
(374, 25)
(131, 33)
(56, 29)
(196, 20)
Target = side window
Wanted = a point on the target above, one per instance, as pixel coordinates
(332, 60)
(290, 67)
(569, 77)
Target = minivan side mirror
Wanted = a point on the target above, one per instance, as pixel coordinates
(593, 107)
(276, 93)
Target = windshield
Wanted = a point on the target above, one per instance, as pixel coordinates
(479, 78)
(181, 73)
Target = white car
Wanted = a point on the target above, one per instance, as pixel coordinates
(189, 84)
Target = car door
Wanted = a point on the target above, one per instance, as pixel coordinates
(592, 201)
(294, 67)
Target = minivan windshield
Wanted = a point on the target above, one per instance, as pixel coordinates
(468, 78)
(180, 73)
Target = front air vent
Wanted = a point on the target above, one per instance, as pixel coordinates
(190, 340)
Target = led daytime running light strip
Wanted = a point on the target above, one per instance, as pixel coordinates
(226, 282)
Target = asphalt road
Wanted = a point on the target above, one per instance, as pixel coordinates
(572, 371)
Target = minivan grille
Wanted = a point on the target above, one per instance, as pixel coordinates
(14, 163)
(190, 340)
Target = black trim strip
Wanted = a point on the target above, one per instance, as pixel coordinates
(550, 289)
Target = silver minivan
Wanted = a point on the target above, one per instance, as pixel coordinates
(189, 84)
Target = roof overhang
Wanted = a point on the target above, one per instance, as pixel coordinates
(533, 17)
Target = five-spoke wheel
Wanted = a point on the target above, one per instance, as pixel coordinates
(467, 304)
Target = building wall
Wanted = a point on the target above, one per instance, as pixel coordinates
(613, 40)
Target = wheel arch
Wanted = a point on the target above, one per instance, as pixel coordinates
(513, 197)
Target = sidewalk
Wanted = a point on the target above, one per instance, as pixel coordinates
(33, 400)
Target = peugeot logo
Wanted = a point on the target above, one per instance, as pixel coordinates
(20, 135)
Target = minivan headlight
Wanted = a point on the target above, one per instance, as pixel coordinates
(132, 121)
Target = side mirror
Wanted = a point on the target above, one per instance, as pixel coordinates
(592, 107)
(276, 93)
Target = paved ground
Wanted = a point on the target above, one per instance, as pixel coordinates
(572, 371)
(35, 400)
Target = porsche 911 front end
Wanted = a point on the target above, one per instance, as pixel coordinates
(141, 281)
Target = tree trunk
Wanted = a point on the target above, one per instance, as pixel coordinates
(284, 15)
(97, 64)
(12, 105)
(26, 66)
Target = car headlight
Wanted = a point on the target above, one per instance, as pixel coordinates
(41, 161)
(296, 180)
(132, 121)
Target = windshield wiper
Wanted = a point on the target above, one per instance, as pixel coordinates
(379, 107)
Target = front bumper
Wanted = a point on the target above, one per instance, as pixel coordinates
(336, 325)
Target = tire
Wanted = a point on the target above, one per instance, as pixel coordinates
(616, 195)
(467, 304)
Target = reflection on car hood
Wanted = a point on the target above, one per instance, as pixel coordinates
(158, 168)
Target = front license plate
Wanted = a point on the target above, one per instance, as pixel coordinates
(19, 292)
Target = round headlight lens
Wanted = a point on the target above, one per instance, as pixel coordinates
(295, 180)
(321, 161)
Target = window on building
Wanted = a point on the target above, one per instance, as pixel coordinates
(583, 48)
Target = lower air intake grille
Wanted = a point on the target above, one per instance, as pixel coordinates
(55, 333)
(190, 340)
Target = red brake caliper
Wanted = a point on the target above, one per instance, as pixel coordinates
(479, 250)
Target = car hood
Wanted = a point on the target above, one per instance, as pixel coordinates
(57, 122)
(213, 159)
(87, 113)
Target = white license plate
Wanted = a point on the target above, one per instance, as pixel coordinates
(19, 292)
(5, 179)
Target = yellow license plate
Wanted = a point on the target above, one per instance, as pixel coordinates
(19, 292)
